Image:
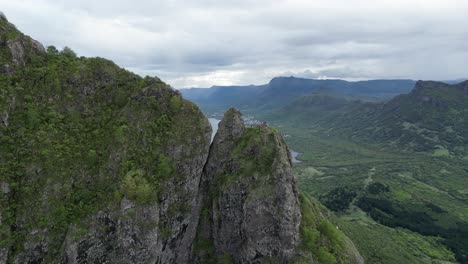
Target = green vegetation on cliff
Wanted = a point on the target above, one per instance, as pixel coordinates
(78, 135)
(322, 239)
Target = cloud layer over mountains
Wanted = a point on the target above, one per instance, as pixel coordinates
(208, 42)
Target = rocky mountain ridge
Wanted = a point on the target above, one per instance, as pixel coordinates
(253, 211)
(99, 165)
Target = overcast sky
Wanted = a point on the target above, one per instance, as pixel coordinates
(199, 43)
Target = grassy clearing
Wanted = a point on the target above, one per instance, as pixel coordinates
(382, 244)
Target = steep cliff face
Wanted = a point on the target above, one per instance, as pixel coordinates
(250, 211)
(19, 48)
(99, 165)
(155, 225)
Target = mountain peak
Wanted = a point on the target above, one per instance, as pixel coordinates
(464, 83)
(3, 17)
(231, 126)
(248, 176)
(17, 49)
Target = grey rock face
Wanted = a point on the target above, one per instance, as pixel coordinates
(35, 248)
(4, 191)
(253, 208)
(117, 238)
(161, 232)
(3, 255)
(5, 187)
(21, 47)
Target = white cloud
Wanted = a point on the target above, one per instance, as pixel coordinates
(208, 42)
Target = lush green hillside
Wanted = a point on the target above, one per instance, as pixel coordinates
(432, 118)
(78, 136)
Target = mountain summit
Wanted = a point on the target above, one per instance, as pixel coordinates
(17, 49)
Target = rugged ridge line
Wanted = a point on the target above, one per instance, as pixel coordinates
(20, 49)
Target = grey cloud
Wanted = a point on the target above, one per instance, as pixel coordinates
(208, 42)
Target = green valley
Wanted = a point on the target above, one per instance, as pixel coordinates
(394, 172)
(433, 188)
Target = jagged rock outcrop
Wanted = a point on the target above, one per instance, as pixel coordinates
(20, 48)
(250, 211)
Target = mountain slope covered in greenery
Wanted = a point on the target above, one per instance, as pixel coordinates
(395, 171)
(100, 165)
(433, 117)
(85, 145)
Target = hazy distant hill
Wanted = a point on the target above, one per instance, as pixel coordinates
(222, 97)
(282, 90)
(433, 117)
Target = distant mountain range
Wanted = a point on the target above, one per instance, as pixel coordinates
(430, 117)
(282, 90)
